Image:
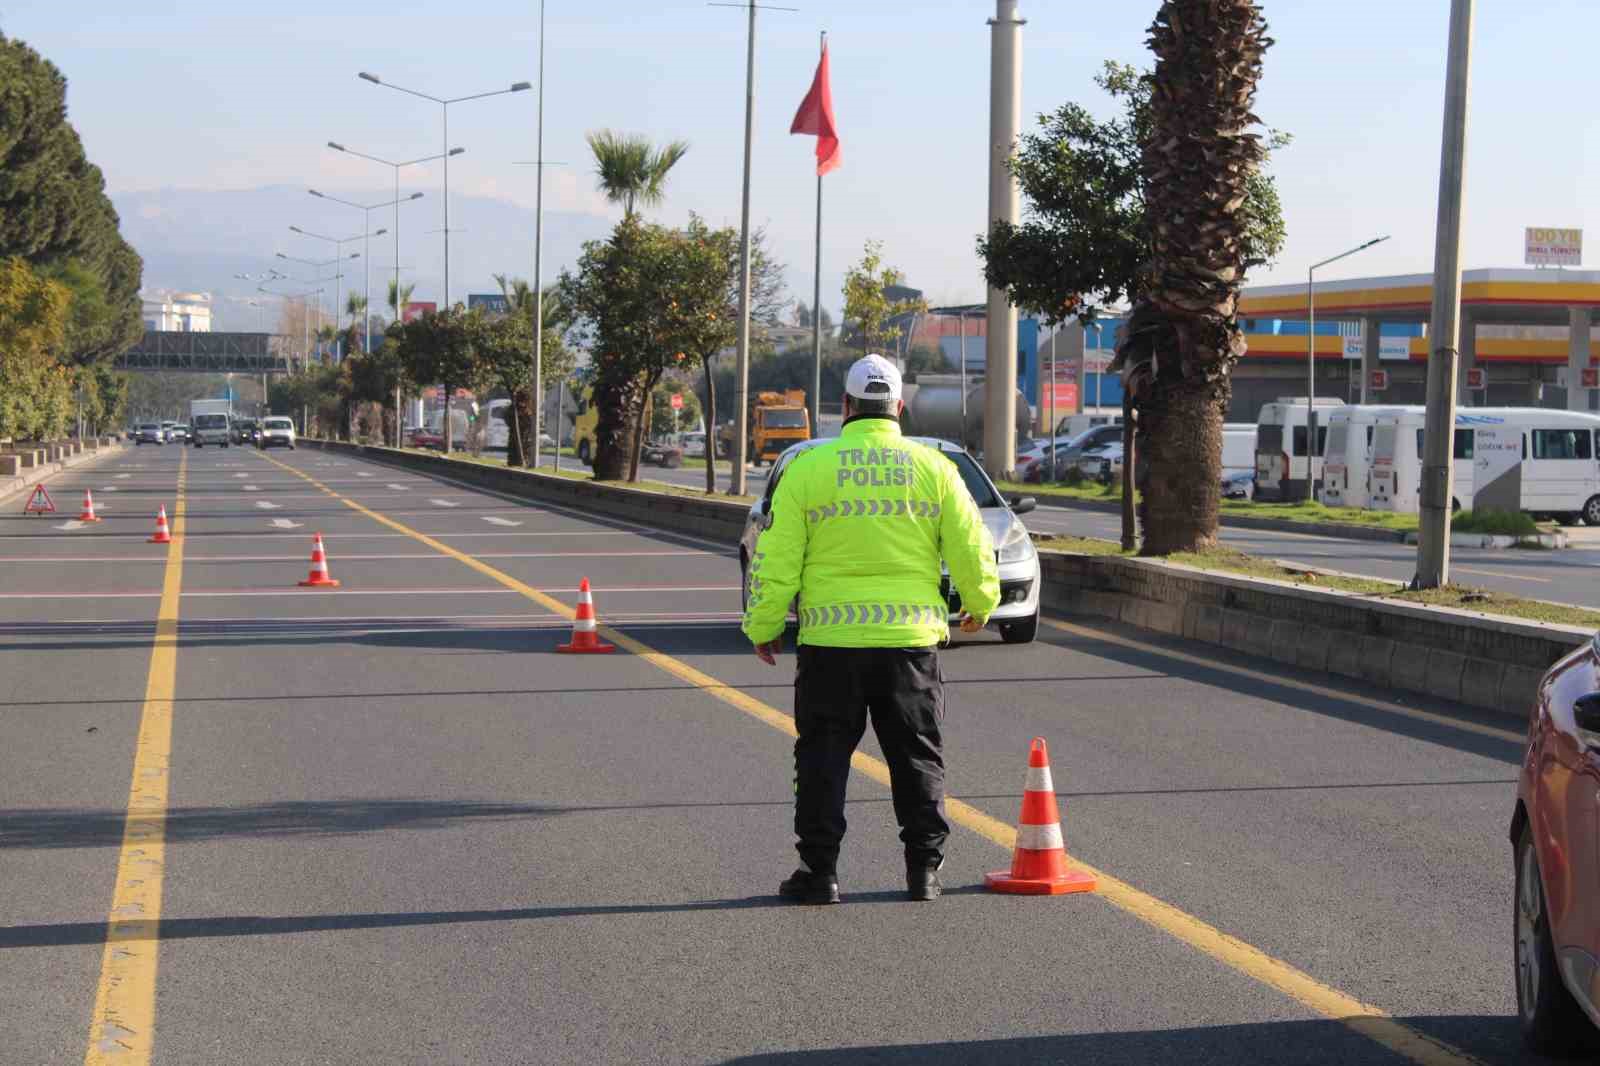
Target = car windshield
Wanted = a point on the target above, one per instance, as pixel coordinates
(784, 418)
(983, 493)
(279, 423)
(211, 422)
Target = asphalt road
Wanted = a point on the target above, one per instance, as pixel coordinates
(389, 824)
(1571, 575)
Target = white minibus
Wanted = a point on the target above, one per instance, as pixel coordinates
(1348, 459)
(1281, 460)
(1534, 459)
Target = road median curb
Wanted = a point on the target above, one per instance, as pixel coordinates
(52, 459)
(1340, 530)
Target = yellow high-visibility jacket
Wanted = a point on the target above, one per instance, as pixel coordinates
(858, 526)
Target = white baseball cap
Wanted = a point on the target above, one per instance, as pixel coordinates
(872, 377)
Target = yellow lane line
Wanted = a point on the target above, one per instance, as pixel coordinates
(1498, 732)
(122, 1029)
(1364, 1018)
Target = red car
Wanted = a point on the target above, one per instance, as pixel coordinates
(427, 438)
(1556, 836)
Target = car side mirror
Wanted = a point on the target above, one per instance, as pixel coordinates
(1023, 504)
(1586, 713)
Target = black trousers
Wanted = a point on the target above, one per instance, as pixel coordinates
(835, 691)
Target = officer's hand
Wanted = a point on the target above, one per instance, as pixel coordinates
(769, 651)
(969, 624)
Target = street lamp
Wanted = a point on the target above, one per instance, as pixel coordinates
(320, 265)
(366, 248)
(1311, 360)
(338, 246)
(444, 105)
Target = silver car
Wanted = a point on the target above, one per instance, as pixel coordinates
(277, 433)
(1017, 617)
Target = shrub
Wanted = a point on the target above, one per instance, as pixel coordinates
(1495, 522)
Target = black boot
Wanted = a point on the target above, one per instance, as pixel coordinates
(922, 882)
(803, 886)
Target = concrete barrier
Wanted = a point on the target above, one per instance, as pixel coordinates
(1462, 656)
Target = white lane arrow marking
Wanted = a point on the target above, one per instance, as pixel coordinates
(70, 525)
(443, 503)
(284, 523)
(241, 475)
(108, 488)
(497, 520)
(397, 488)
(267, 505)
(362, 473)
(123, 477)
(252, 488)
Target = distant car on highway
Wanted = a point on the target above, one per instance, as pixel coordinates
(1239, 485)
(149, 433)
(277, 433)
(694, 445)
(180, 433)
(427, 438)
(1555, 834)
(1017, 617)
(662, 453)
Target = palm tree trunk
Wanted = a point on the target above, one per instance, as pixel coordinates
(1179, 465)
(1182, 341)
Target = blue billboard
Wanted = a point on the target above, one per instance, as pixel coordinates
(493, 303)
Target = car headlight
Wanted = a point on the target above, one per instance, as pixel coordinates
(1017, 546)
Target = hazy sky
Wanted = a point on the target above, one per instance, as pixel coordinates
(224, 95)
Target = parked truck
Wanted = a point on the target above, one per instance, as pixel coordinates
(210, 422)
(777, 420)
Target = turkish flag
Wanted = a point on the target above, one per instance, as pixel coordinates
(816, 118)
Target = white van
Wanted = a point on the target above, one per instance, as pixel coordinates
(1072, 425)
(1347, 462)
(1281, 460)
(496, 430)
(1238, 448)
(1534, 459)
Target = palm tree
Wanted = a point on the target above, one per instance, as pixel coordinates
(631, 172)
(1183, 338)
(398, 300)
(355, 305)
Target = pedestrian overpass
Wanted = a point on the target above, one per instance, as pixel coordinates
(211, 353)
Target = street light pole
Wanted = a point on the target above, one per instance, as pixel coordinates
(444, 105)
(366, 226)
(1444, 324)
(338, 276)
(399, 311)
(1311, 359)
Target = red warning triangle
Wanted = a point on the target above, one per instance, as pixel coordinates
(39, 502)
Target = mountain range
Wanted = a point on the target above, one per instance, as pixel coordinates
(197, 240)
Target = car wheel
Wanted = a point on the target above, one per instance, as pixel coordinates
(744, 584)
(1591, 512)
(1022, 631)
(674, 461)
(1550, 1018)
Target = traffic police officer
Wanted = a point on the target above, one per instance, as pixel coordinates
(857, 528)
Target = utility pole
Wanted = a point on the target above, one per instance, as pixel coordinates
(1433, 541)
(1005, 205)
(741, 372)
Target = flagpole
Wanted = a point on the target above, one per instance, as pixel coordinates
(816, 310)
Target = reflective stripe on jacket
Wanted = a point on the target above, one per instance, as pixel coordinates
(858, 527)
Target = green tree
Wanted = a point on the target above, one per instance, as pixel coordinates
(1183, 338)
(437, 347)
(53, 206)
(867, 306)
(630, 170)
(1087, 236)
(398, 298)
(33, 326)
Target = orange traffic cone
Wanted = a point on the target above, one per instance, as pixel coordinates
(584, 641)
(1039, 861)
(163, 535)
(319, 567)
(88, 514)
